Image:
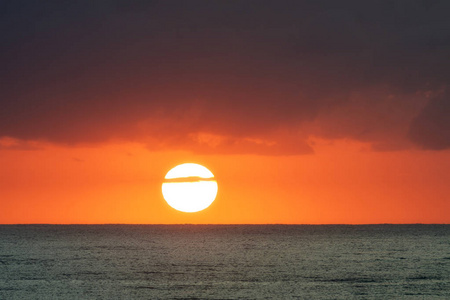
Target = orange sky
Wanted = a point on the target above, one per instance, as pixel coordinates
(343, 182)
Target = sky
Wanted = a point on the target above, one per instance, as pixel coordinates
(307, 112)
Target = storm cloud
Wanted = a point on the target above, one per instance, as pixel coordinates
(226, 76)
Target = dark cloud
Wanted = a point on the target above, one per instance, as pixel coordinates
(250, 76)
(431, 128)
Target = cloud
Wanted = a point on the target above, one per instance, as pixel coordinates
(20, 145)
(431, 128)
(254, 77)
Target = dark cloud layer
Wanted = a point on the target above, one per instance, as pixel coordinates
(431, 128)
(226, 76)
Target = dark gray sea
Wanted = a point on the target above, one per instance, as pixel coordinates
(224, 262)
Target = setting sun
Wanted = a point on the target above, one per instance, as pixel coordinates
(189, 187)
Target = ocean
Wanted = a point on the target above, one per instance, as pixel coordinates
(224, 262)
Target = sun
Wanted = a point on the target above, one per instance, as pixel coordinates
(189, 187)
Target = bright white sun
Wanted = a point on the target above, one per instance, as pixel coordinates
(189, 188)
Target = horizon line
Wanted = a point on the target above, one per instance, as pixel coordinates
(219, 224)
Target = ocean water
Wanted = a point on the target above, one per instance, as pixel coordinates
(224, 262)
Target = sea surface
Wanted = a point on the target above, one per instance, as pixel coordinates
(224, 262)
